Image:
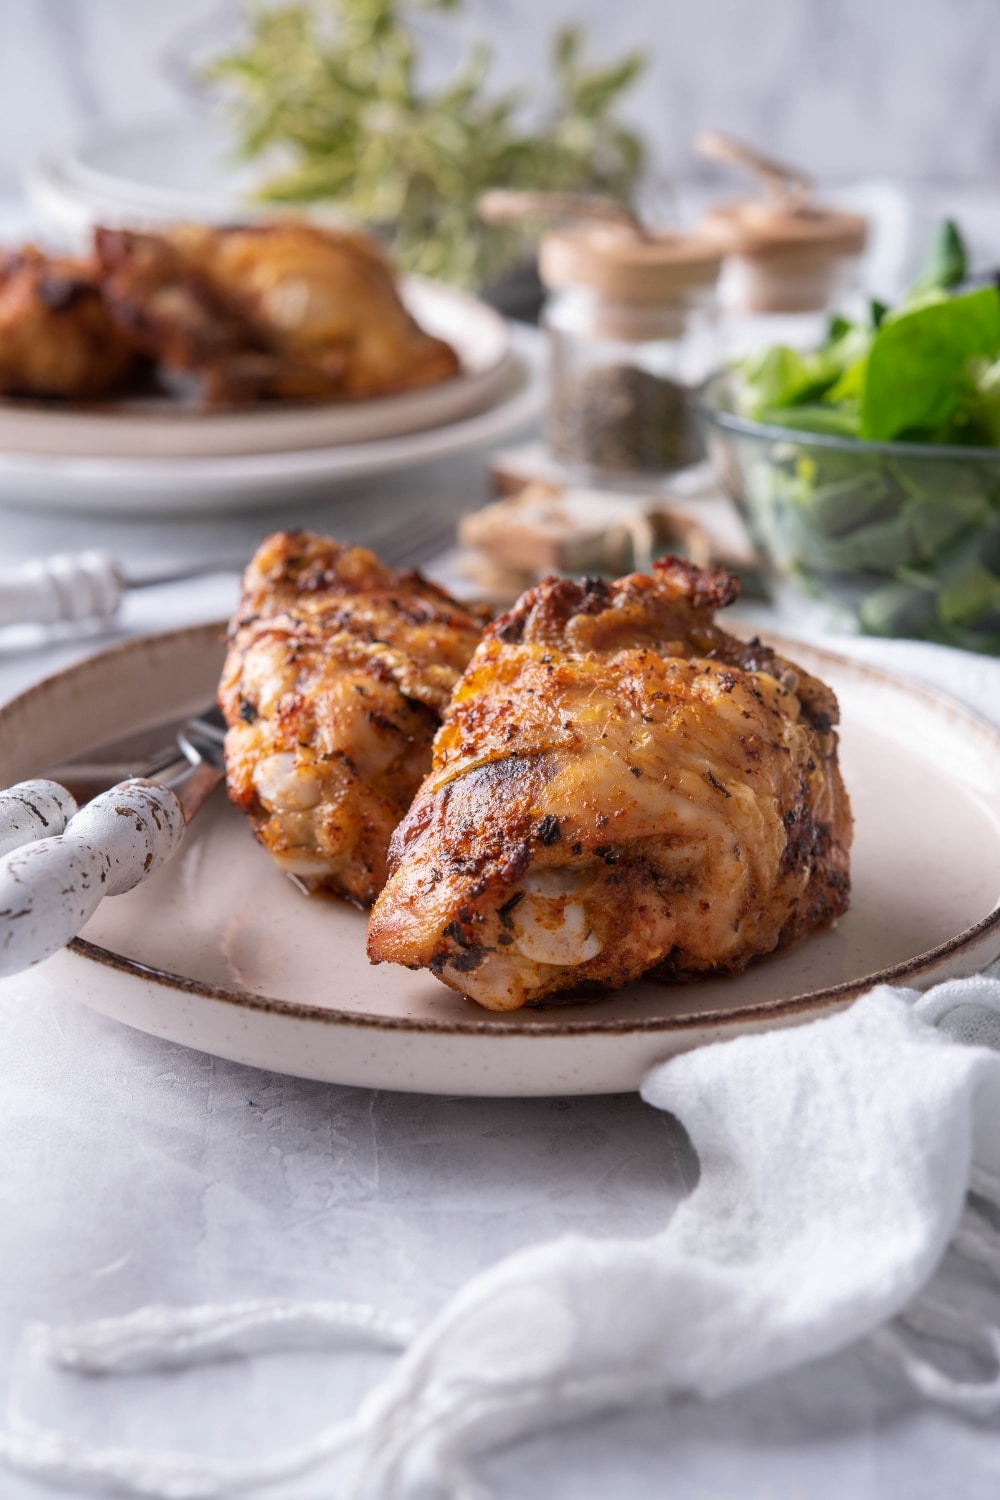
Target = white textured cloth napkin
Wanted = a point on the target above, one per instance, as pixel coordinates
(840, 1161)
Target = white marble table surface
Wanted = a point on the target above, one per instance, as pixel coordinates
(133, 1170)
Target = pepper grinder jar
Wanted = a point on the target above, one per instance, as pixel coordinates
(789, 262)
(785, 273)
(631, 319)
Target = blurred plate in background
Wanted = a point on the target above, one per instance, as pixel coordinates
(158, 486)
(172, 170)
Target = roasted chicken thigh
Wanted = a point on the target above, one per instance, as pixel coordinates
(619, 786)
(337, 673)
(56, 335)
(283, 309)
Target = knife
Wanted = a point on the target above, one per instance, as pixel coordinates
(60, 860)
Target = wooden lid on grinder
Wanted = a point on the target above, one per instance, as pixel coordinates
(654, 266)
(790, 252)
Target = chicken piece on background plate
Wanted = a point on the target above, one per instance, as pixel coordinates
(619, 786)
(57, 338)
(337, 674)
(168, 310)
(282, 309)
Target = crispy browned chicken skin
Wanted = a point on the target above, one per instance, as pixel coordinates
(337, 674)
(283, 309)
(56, 335)
(618, 786)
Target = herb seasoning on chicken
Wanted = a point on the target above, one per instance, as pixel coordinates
(337, 675)
(618, 786)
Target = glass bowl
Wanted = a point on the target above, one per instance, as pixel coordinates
(905, 537)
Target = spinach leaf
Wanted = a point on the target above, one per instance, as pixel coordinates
(947, 264)
(971, 596)
(898, 608)
(983, 406)
(935, 523)
(780, 377)
(847, 505)
(834, 421)
(783, 377)
(916, 371)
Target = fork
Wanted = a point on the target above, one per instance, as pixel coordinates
(71, 587)
(419, 539)
(60, 861)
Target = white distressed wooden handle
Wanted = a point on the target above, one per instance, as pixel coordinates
(70, 586)
(49, 889)
(33, 810)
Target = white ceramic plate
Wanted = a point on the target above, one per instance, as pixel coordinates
(171, 428)
(149, 485)
(220, 952)
(144, 175)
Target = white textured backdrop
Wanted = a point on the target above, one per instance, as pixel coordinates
(848, 86)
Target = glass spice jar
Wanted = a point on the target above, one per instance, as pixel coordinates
(630, 320)
(787, 269)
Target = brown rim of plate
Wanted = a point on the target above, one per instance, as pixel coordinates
(794, 1005)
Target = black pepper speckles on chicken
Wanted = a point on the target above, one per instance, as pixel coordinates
(618, 786)
(337, 674)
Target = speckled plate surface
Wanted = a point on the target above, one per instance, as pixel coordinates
(220, 952)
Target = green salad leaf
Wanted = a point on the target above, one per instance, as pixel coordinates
(965, 599)
(918, 369)
(782, 377)
(947, 264)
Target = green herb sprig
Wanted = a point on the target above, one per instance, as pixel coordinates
(331, 91)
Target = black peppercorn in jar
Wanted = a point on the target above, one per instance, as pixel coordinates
(630, 320)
